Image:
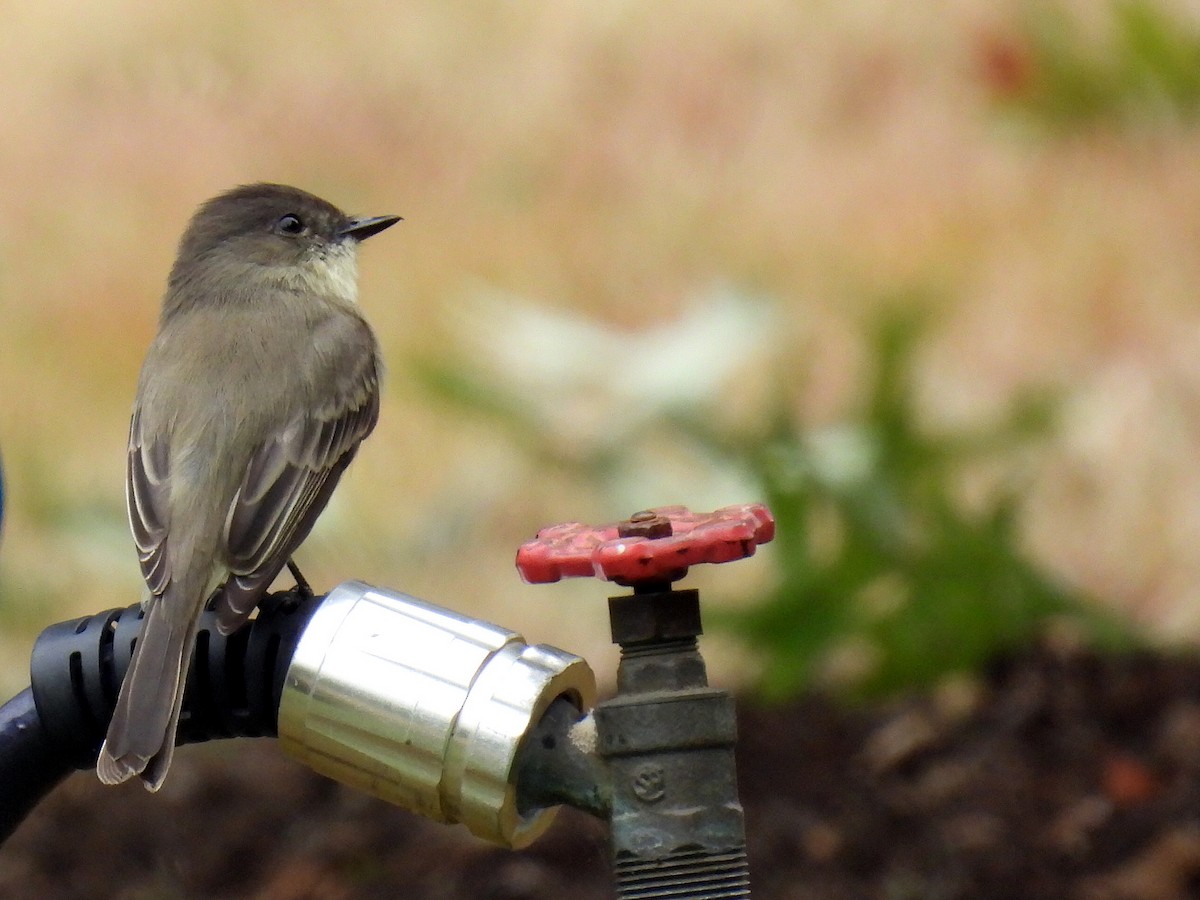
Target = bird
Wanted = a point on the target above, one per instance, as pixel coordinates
(257, 389)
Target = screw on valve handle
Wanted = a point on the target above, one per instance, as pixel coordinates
(667, 737)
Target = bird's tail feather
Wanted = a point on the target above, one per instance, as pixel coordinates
(141, 735)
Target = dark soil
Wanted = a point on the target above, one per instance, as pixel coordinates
(1059, 775)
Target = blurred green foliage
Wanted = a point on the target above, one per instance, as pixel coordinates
(1147, 66)
(887, 578)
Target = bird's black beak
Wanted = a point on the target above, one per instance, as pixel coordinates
(361, 229)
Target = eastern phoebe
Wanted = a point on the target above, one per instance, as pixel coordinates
(260, 384)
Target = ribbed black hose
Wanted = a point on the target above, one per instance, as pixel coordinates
(58, 723)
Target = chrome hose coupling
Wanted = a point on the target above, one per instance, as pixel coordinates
(424, 707)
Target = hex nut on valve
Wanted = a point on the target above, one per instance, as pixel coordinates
(424, 707)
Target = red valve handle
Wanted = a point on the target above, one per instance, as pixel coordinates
(651, 546)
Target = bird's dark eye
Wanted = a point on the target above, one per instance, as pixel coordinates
(289, 224)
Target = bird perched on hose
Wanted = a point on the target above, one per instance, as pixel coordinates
(256, 392)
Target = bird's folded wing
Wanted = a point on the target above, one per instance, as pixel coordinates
(286, 485)
(146, 495)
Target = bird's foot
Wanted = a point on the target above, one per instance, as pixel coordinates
(303, 589)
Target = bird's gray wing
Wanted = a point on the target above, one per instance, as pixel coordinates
(146, 496)
(287, 483)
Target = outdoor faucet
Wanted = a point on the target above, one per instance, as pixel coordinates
(452, 717)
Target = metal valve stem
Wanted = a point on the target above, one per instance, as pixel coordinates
(677, 825)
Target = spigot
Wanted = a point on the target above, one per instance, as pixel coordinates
(667, 738)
